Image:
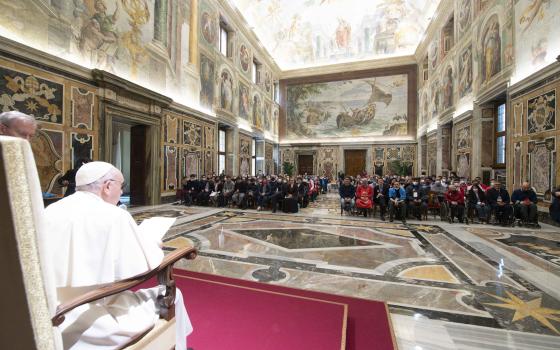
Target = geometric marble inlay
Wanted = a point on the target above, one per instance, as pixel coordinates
(429, 273)
(303, 238)
(543, 248)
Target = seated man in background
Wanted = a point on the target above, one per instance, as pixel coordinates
(239, 191)
(417, 199)
(190, 190)
(456, 201)
(476, 199)
(380, 195)
(525, 204)
(499, 201)
(347, 191)
(17, 124)
(92, 242)
(397, 199)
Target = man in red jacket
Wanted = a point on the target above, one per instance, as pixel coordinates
(456, 202)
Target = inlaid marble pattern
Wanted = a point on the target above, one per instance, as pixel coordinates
(451, 276)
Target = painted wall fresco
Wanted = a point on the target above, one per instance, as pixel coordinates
(318, 32)
(226, 85)
(360, 107)
(113, 35)
(537, 35)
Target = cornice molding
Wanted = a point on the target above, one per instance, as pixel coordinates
(349, 66)
(108, 80)
(544, 74)
(31, 56)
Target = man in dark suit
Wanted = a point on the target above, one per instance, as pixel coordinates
(380, 195)
(191, 190)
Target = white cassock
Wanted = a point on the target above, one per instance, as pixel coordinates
(92, 243)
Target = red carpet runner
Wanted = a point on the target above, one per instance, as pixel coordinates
(232, 314)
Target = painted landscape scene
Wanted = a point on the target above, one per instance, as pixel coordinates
(375, 106)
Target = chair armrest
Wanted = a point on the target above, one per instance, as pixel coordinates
(120, 286)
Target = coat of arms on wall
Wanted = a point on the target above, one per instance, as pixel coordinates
(541, 112)
(31, 95)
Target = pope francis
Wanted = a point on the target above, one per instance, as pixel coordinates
(92, 242)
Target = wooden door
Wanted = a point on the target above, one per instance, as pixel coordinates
(354, 162)
(138, 165)
(305, 164)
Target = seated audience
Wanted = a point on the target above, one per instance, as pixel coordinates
(207, 188)
(239, 191)
(347, 192)
(364, 194)
(229, 188)
(303, 198)
(290, 202)
(456, 201)
(190, 190)
(380, 196)
(476, 198)
(499, 202)
(417, 199)
(525, 204)
(397, 200)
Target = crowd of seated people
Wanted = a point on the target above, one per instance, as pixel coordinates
(257, 192)
(462, 199)
(399, 197)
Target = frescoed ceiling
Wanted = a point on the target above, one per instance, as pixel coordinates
(308, 33)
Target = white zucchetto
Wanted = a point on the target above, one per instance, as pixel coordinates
(91, 172)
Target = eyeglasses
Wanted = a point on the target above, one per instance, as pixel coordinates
(123, 184)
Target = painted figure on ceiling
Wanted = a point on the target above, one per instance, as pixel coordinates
(343, 33)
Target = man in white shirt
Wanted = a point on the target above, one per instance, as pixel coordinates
(92, 242)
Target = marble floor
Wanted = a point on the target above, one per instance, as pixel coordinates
(448, 286)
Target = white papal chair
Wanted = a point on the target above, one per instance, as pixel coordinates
(30, 316)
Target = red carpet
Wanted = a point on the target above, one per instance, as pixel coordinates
(235, 314)
(226, 315)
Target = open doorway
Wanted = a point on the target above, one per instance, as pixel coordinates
(129, 156)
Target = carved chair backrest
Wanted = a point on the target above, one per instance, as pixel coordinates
(26, 317)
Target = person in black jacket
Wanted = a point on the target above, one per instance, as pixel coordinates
(499, 202)
(252, 192)
(347, 193)
(380, 195)
(278, 193)
(239, 191)
(69, 178)
(476, 198)
(207, 188)
(191, 190)
(303, 198)
(264, 191)
(525, 204)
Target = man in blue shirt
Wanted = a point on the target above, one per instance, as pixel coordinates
(525, 204)
(397, 199)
